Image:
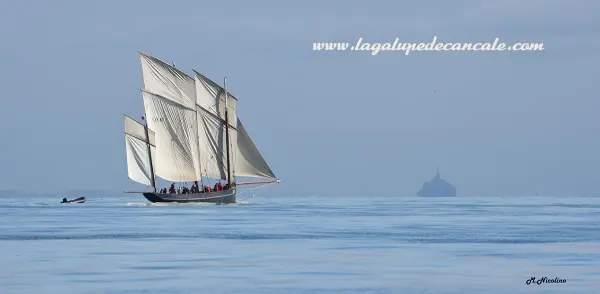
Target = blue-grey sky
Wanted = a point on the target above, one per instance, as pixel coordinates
(328, 123)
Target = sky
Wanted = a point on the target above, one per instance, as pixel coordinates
(329, 123)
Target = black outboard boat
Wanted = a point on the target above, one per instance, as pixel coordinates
(78, 200)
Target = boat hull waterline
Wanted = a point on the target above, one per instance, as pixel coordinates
(220, 197)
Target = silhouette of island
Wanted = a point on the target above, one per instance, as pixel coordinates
(437, 187)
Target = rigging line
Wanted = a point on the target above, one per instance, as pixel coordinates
(215, 116)
(199, 157)
(251, 189)
(246, 198)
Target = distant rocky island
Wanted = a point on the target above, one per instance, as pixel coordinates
(437, 187)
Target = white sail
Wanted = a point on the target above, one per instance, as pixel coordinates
(170, 106)
(137, 130)
(138, 160)
(187, 116)
(248, 160)
(211, 97)
(245, 157)
(211, 126)
(175, 127)
(167, 81)
(211, 130)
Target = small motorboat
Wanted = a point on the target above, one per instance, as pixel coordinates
(78, 200)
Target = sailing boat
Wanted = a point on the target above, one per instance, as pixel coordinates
(192, 134)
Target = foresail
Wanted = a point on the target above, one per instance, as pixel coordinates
(176, 139)
(248, 160)
(211, 126)
(138, 161)
(167, 81)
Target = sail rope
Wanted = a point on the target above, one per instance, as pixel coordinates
(255, 188)
(246, 198)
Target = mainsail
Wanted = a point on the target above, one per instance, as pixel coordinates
(211, 126)
(171, 110)
(136, 145)
(167, 81)
(211, 132)
(187, 117)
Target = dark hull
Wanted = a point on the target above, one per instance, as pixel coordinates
(78, 200)
(221, 197)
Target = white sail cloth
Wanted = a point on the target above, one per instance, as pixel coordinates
(174, 126)
(248, 160)
(167, 81)
(211, 97)
(212, 139)
(170, 109)
(138, 159)
(187, 116)
(245, 157)
(211, 126)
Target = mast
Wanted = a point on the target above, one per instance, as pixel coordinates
(227, 135)
(200, 188)
(198, 140)
(150, 157)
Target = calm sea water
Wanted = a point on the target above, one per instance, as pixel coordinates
(310, 245)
